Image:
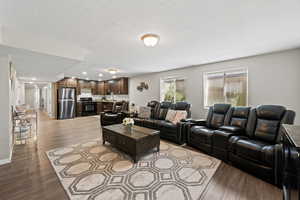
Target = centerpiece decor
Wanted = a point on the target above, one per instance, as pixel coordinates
(128, 122)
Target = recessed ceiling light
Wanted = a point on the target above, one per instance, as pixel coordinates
(100, 75)
(84, 73)
(30, 82)
(150, 40)
(33, 79)
(114, 76)
(87, 78)
(99, 79)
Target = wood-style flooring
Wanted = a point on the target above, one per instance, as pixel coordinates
(30, 175)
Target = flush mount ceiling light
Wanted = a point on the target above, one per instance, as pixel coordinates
(114, 77)
(150, 40)
(112, 71)
(100, 75)
(34, 79)
(84, 73)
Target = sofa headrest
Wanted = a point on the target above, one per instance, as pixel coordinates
(165, 104)
(152, 104)
(271, 112)
(241, 112)
(221, 108)
(182, 105)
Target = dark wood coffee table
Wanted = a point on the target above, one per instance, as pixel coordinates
(135, 141)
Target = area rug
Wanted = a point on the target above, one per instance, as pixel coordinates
(94, 171)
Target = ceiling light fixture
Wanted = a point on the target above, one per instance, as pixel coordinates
(87, 78)
(112, 71)
(84, 73)
(34, 79)
(114, 77)
(150, 40)
(100, 75)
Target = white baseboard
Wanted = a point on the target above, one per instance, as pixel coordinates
(7, 160)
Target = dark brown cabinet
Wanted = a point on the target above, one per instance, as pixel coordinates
(101, 88)
(67, 82)
(93, 86)
(116, 86)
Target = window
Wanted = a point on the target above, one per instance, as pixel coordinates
(172, 89)
(226, 87)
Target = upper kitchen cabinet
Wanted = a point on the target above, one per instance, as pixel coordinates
(67, 82)
(82, 84)
(93, 86)
(117, 86)
(122, 86)
(101, 88)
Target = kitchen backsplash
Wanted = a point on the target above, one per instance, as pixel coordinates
(108, 97)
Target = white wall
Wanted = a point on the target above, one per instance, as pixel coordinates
(5, 114)
(273, 79)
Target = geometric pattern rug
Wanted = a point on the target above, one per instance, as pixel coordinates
(100, 172)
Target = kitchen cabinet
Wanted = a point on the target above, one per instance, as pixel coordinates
(122, 86)
(116, 86)
(101, 88)
(93, 86)
(67, 82)
(99, 107)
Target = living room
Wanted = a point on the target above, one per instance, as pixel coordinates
(158, 100)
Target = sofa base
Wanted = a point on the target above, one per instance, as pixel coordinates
(221, 154)
(261, 171)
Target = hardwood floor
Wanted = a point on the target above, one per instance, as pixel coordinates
(30, 176)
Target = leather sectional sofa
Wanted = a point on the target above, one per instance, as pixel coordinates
(158, 120)
(242, 136)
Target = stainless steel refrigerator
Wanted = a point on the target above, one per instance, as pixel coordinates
(66, 103)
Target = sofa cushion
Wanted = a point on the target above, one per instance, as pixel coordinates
(266, 130)
(144, 112)
(220, 139)
(255, 150)
(217, 120)
(180, 115)
(167, 125)
(202, 134)
(170, 115)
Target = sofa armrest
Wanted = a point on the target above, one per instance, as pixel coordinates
(198, 122)
(232, 129)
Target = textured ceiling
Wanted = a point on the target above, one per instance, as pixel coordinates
(97, 34)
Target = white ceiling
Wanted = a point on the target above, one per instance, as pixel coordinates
(94, 35)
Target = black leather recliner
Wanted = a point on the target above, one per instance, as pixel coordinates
(235, 124)
(200, 133)
(254, 151)
(158, 121)
(114, 116)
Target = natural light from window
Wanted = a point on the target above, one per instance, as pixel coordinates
(172, 89)
(229, 86)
